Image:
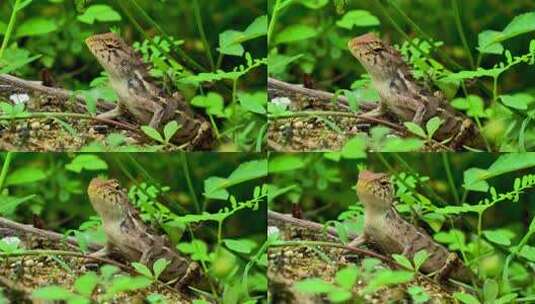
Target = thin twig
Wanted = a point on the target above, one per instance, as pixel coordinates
(54, 236)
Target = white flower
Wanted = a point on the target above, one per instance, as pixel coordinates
(19, 98)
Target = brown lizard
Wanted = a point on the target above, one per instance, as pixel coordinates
(386, 229)
(139, 96)
(402, 97)
(128, 235)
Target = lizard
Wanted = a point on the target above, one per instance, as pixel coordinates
(392, 234)
(407, 100)
(129, 236)
(139, 96)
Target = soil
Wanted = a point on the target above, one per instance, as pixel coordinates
(24, 274)
(290, 264)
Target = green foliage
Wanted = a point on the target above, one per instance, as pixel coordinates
(310, 37)
(51, 36)
(168, 193)
(473, 203)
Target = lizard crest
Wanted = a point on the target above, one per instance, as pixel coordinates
(113, 54)
(107, 197)
(375, 189)
(380, 59)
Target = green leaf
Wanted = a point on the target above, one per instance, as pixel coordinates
(230, 41)
(339, 295)
(357, 18)
(486, 44)
(86, 283)
(25, 175)
(499, 236)
(297, 32)
(52, 293)
(170, 130)
(415, 129)
(474, 180)
(197, 249)
(159, 266)
(8, 204)
(418, 294)
(490, 290)
(346, 277)
(313, 286)
(142, 269)
(22, 4)
(248, 171)
(355, 148)
(285, 162)
(99, 12)
(312, 4)
(214, 188)
(489, 41)
(212, 102)
(472, 104)
(387, 277)
(419, 258)
(527, 252)
(519, 101)
(35, 27)
(14, 59)
(466, 298)
(508, 298)
(242, 245)
(432, 126)
(124, 283)
(90, 162)
(255, 103)
(152, 133)
(402, 260)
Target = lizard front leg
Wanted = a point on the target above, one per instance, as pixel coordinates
(115, 112)
(451, 263)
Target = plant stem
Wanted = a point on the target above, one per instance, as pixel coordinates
(198, 19)
(185, 169)
(446, 164)
(193, 64)
(9, 29)
(459, 26)
(5, 169)
(274, 17)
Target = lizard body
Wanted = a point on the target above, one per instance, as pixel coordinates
(131, 237)
(139, 96)
(407, 100)
(393, 235)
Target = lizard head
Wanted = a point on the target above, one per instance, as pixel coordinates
(378, 58)
(106, 196)
(112, 53)
(375, 190)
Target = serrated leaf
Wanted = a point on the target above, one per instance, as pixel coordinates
(170, 130)
(466, 298)
(357, 18)
(88, 162)
(99, 12)
(415, 129)
(152, 133)
(142, 269)
(402, 260)
(159, 266)
(347, 277)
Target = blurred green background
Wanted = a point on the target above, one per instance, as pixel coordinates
(56, 185)
(325, 58)
(53, 29)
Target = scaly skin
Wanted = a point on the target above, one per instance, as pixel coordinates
(140, 97)
(404, 98)
(128, 235)
(384, 227)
